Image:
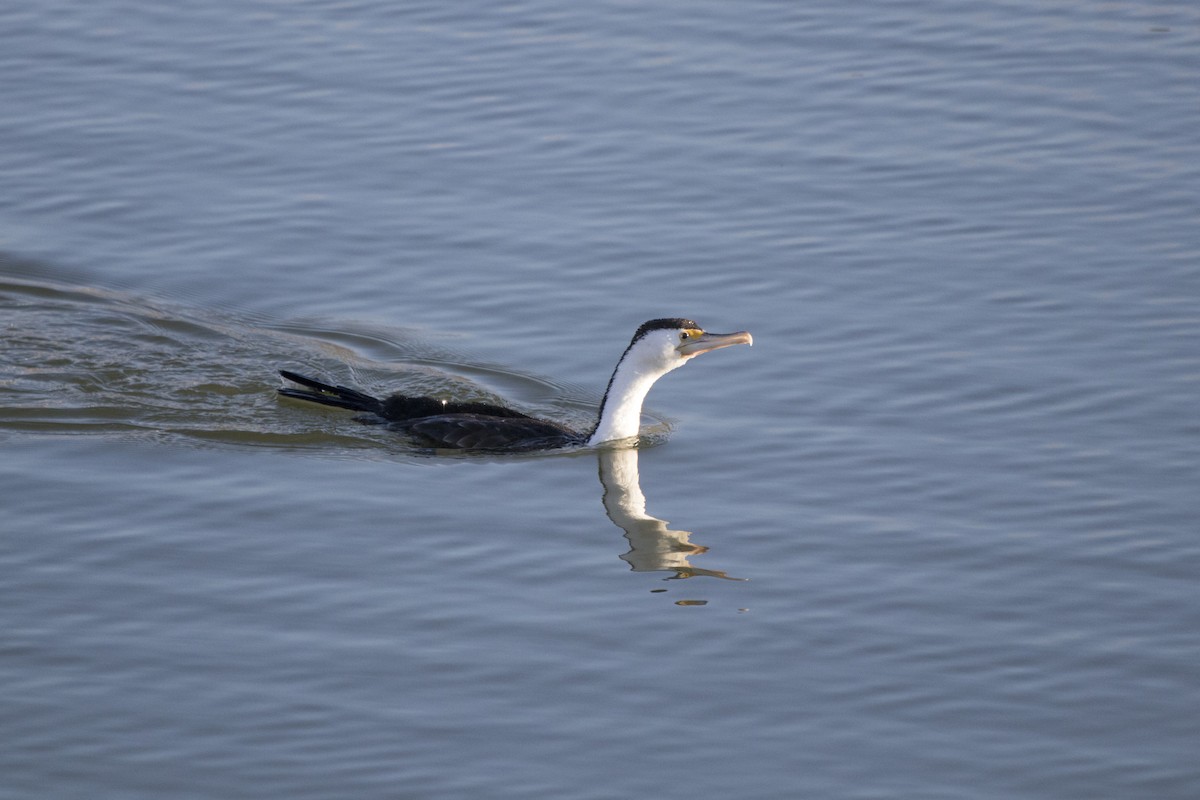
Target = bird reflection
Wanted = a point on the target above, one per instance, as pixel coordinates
(653, 546)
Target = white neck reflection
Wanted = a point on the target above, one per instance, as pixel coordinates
(653, 546)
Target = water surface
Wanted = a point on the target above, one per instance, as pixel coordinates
(933, 536)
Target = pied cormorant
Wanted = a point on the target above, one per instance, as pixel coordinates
(658, 347)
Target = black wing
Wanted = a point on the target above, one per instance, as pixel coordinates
(480, 432)
(401, 407)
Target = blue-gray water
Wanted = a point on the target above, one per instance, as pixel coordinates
(935, 535)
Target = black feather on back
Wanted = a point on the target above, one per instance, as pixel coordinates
(438, 423)
(401, 407)
(485, 432)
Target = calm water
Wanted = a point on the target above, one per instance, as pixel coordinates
(935, 535)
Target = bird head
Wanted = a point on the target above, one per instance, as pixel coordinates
(662, 345)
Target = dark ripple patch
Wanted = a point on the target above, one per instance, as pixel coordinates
(86, 360)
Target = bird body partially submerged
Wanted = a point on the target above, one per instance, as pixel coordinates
(658, 346)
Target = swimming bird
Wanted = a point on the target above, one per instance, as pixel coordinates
(657, 347)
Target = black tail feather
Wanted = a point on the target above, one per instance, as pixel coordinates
(329, 394)
(396, 408)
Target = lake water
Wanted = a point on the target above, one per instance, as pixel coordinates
(934, 536)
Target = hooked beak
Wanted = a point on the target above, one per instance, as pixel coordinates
(713, 341)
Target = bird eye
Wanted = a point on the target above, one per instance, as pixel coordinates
(683, 337)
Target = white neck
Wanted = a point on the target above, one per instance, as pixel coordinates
(621, 414)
